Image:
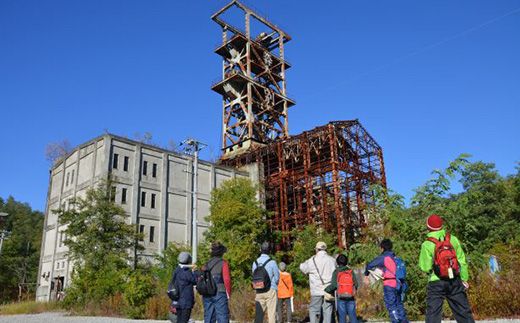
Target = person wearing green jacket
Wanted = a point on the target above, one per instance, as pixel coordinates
(345, 305)
(453, 288)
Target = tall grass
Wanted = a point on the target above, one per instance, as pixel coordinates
(30, 307)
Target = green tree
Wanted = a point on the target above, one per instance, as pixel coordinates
(100, 243)
(21, 250)
(239, 222)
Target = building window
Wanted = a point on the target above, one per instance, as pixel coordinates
(61, 239)
(123, 196)
(113, 194)
(115, 161)
(152, 233)
(143, 199)
(125, 164)
(153, 201)
(72, 177)
(145, 166)
(67, 181)
(141, 231)
(154, 170)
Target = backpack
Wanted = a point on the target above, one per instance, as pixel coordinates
(445, 263)
(400, 274)
(206, 285)
(261, 279)
(173, 291)
(345, 283)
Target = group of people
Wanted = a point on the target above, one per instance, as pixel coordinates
(333, 283)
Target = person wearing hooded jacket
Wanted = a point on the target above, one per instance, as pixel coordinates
(454, 290)
(184, 278)
(319, 268)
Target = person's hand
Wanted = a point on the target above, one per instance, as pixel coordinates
(366, 280)
(466, 285)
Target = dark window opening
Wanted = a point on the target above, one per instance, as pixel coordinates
(153, 201)
(152, 233)
(143, 199)
(125, 164)
(72, 177)
(123, 196)
(115, 161)
(145, 166)
(113, 194)
(141, 231)
(154, 170)
(67, 181)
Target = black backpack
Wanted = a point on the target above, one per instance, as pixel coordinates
(173, 291)
(206, 285)
(261, 279)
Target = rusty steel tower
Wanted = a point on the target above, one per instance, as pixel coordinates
(253, 85)
(323, 176)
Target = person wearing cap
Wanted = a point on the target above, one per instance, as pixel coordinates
(454, 290)
(285, 293)
(266, 302)
(391, 293)
(216, 308)
(184, 278)
(320, 268)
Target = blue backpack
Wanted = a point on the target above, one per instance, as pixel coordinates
(400, 276)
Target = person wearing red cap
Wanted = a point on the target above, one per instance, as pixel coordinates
(443, 257)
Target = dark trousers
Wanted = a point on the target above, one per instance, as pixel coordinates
(394, 305)
(279, 309)
(455, 293)
(183, 315)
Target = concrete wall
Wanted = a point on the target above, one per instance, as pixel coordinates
(158, 200)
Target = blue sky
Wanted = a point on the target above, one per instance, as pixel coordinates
(428, 79)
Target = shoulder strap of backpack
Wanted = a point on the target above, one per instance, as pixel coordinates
(213, 266)
(447, 237)
(319, 275)
(435, 241)
(265, 263)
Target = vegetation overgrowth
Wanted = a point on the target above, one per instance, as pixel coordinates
(484, 214)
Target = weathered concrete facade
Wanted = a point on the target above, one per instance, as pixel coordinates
(153, 186)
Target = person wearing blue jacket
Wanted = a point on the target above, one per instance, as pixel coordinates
(184, 280)
(392, 295)
(267, 301)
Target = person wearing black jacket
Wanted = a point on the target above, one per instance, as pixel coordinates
(184, 279)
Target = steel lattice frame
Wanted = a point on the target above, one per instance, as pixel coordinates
(253, 83)
(323, 176)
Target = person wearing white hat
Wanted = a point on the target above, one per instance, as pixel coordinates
(320, 268)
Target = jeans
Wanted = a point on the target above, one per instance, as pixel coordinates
(279, 312)
(455, 293)
(394, 305)
(347, 307)
(216, 308)
(320, 309)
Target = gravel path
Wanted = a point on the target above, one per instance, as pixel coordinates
(63, 318)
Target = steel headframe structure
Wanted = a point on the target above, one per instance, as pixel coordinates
(322, 176)
(253, 86)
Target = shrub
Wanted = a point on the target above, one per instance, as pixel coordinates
(137, 290)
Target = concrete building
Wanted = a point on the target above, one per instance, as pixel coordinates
(153, 185)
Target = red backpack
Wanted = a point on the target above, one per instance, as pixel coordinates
(345, 283)
(445, 263)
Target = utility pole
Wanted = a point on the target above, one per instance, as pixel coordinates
(192, 147)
